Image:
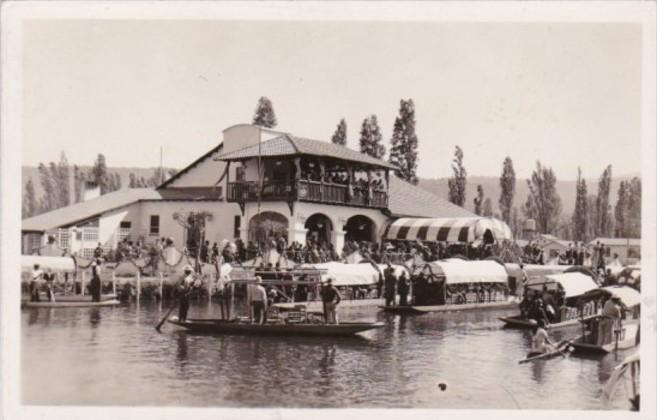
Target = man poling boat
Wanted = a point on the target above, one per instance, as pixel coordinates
(543, 347)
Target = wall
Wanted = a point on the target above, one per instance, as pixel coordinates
(204, 174)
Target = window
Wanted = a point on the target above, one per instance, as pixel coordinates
(125, 225)
(239, 173)
(155, 225)
(236, 226)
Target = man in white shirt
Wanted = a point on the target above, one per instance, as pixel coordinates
(258, 301)
(37, 275)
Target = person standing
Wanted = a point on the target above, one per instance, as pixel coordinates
(184, 289)
(330, 299)
(94, 285)
(390, 282)
(611, 315)
(257, 297)
(98, 252)
(403, 288)
(580, 254)
(49, 277)
(37, 275)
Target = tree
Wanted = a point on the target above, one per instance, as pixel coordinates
(488, 207)
(99, 174)
(508, 186)
(370, 138)
(264, 115)
(478, 200)
(580, 214)
(48, 198)
(29, 200)
(340, 135)
(543, 202)
(403, 151)
(457, 183)
(132, 180)
(603, 208)
(79, 178)
(62, 181)
(591, 216)
(516, 223)
(634, 209)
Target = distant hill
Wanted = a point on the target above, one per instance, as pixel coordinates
(491, 186)
(124, 173)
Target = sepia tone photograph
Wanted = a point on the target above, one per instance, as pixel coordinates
(232, 206)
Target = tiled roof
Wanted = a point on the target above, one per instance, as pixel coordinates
(412, 201)
(288, 145)
(78, 212)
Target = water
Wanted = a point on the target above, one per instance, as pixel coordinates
(113, 356)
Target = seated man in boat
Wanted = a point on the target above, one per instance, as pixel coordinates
(330, 299)
(537, 311)
(257, 296)
(541, 342)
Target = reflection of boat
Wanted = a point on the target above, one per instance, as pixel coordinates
(633, 365)
(457, 285)
(74, 301)
(559, 350)
(573, 286)
(218, 326)
(602, 334)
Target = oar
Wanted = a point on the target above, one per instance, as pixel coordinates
(163, 320)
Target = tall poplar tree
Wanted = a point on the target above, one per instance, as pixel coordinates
(543, 202)
(403, 151)
(458, 181)
(603, 221)
(634, 209)
(99, 174)
(580, 214)
(340, 135)
(370, 138)
(487, 209)
(264, 114)
(30, 205)
(48, 199)
(508, 189)
(621, 210)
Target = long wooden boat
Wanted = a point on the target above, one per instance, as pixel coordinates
(46, 304)
(560, 350)
(524, 323)
(73, 301)
(418, 310)
(218, 326)
(627, 339)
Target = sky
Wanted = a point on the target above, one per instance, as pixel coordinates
(567, 94)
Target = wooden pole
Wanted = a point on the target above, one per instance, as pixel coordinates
(114, 281)
(138, 285)
(82, 282)
(161, 287)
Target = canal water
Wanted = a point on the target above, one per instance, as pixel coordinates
(114, 356)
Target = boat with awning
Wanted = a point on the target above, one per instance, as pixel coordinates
(452, 229)
(456, 284)
(573, 286)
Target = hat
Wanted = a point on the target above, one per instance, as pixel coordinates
(258, 279)
(188, 268)
(328, 280)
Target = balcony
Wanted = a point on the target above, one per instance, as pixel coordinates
(309, 191)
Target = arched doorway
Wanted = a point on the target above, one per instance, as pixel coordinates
(319, 228)
(360, 228)
(268, 225)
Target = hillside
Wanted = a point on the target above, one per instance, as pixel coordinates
(491, 187)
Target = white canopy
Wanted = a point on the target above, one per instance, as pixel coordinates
(443, 229)
(628, 295)
(573, 284)
(62, 264)
(347, 274)
(463, 271)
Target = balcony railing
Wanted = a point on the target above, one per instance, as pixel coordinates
(313, 191)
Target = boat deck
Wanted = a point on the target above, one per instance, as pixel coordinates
(218, 326)
(449, 307)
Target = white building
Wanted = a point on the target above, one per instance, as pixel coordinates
(225, 183)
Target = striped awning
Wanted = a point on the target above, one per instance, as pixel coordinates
(459, 229)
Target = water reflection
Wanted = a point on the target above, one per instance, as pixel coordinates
(400, 365)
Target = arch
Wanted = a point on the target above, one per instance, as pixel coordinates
(360, 228)
(319, 227)
(268, 225)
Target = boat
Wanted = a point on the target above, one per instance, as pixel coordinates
(562, 349)
(632, 364)
(574, 286)
(625, 330)
(73, 301)
(238, 327)
(456, 285)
